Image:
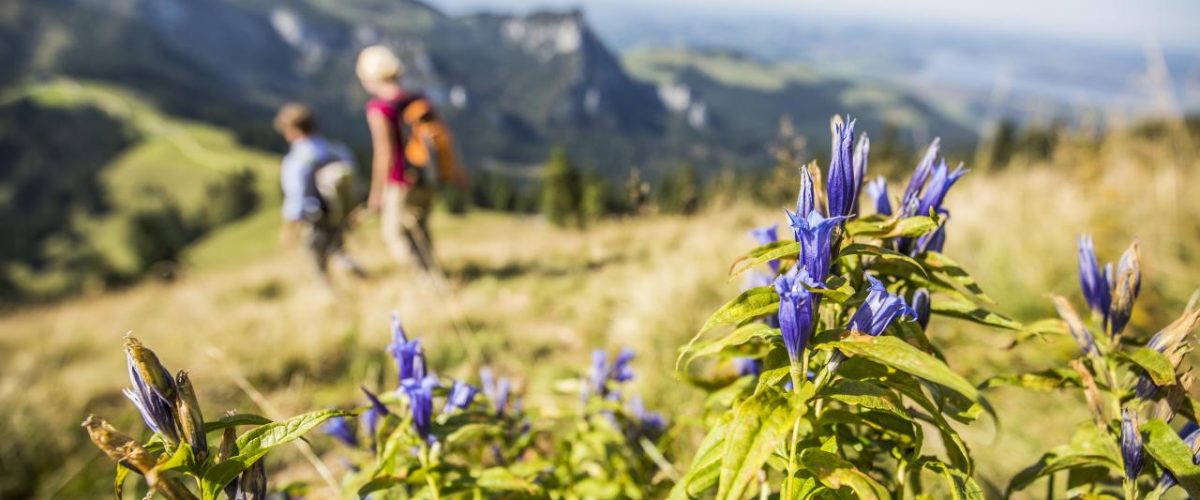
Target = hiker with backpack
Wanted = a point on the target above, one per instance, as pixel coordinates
(413, 153)
(317, 177)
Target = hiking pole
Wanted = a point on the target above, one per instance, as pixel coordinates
(438, 276)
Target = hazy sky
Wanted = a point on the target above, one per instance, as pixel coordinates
(1172, 23)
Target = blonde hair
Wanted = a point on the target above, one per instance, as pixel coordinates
(379, 64)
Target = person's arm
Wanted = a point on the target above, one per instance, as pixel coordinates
(383, 141)
(291, 179)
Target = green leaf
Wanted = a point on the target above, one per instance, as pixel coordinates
(119, 480)
(764, 254)
(257, 442)
(756, 333)
(835, 473)
(750, 304)
(941, 264)
(1046, 380)
(235, 420)
(961, 485)
(502, 479)
(860, 249)
(183, 460)
(961, 309)
(1154, 363)
(891, 227)
(864, 394)
(761, 423)
(468, 433)
(893, 352)
(1091, 446)
(1165, 446)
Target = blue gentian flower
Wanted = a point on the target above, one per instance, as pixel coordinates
(420, 403)
(747, 366)
(879, 310)
(496, 392)
(1133, 455)
(941, 182)
(873, 317)
(878, 191)
(766, 235)
(1097, 291)
(621, 371)
(922, 307)
(814, 233)
(409, 355)
(602, 372)
(153, 390)
(797, 310)
(920, 175)
(340, 428)
(846, 169)
(650, 423)
(461, 396)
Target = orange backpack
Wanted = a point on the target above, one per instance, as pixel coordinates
(428, 142)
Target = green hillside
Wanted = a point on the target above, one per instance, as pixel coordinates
(167, 162)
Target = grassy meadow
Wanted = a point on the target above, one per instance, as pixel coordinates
(533, 301)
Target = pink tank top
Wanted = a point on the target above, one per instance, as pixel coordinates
(391, 110)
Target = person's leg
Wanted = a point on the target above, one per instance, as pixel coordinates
(417, 206)
(392, 225)
(319, 246)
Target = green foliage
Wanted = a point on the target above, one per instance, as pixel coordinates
(561, 190)
(680, 191)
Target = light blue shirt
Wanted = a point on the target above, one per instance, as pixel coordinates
(300, 197)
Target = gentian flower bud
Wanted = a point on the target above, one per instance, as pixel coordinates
(814, 233)
(189, 418)
(1190, 434)
(340, 428)
(1133, 455)
(420, 403)
(153, 391)
(252, 484)
(1096, 288)
(878, 191)
(461, 396)
(846, 169)
(1082, 336)
(806, 201)
(1126, 285)
(797, 310)
(922, 307)
(1172, 343)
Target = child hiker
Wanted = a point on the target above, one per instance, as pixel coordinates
(317, 177)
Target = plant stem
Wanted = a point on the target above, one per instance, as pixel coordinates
(424, 457)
